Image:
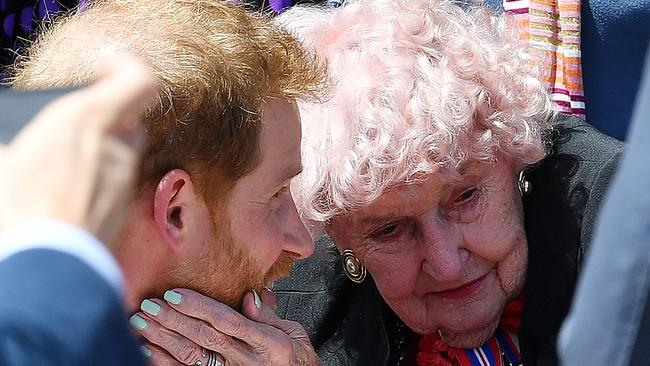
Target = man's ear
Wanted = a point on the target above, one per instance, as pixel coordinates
(175, 201)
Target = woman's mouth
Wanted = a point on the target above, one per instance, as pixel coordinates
(466, 290)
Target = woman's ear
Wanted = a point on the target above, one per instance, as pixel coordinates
(339, 234)
(175, 203)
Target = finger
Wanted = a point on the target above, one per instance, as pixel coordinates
(156, 356)
(124, 88)
(129, 80)
(197, 331)
(123, 92)
(220, 316)
(269, 298)
(185, 351)
(110, 105)
(293, 344)
(266, 315)
(159, 357)
(213, 358)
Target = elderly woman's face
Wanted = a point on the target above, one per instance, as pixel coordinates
(445, 254)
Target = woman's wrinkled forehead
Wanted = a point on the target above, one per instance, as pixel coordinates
(391, 202)
(445, 174)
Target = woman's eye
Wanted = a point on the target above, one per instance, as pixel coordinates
(387, 232)
(465, 196)
(467, 206)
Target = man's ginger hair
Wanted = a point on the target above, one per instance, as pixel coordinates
(215, 64)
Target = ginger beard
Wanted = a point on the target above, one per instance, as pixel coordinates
(226, 271)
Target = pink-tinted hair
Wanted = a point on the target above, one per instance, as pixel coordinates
(417, 84)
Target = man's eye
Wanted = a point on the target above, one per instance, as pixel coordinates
(281, 191)
(466, 196)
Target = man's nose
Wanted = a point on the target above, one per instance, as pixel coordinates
(296, 237)
(445, 257)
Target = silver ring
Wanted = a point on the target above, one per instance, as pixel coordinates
(214, 359)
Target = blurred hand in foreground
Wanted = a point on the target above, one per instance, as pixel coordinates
(75, 161)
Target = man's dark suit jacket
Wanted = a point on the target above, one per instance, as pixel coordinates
(349, 324)
(55, 310)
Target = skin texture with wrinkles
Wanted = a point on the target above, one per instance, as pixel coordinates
(439, 234)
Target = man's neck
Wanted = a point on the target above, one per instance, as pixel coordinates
(145, 271)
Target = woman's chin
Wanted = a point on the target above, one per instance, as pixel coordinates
(469, 339)
(472, 330)
(466, 331)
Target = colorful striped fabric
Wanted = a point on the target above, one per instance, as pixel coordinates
(552, 27)
(500, 350)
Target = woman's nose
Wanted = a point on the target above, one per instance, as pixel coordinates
(444, 256)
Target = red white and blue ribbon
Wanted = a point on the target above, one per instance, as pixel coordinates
(500, 350)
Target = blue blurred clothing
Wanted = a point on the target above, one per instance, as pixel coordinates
(615, 36)
(66, 238)
(609, 323)
(61, 301)
(495, 4)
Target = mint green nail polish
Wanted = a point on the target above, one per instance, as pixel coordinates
(150, 307)
(138, 322)
(258, 301)
(173, 297)
(146, 352)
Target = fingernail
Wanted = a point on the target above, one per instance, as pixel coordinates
(173, 297)
(258, 301)
(138, 322)
(146, 352)
(150, 307)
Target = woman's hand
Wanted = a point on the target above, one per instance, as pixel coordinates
(181, 329)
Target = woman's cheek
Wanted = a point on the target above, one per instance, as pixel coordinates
(395, 275)
(496, 236)
(489, 245)
(512, 269)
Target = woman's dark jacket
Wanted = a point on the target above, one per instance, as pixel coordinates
(349, 324)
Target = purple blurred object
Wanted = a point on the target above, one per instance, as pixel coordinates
(26, 20)
(279, 5)
(8, 25)
(47, 7)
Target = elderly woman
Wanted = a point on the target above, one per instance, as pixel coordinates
(439, 167)
(460, 205)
